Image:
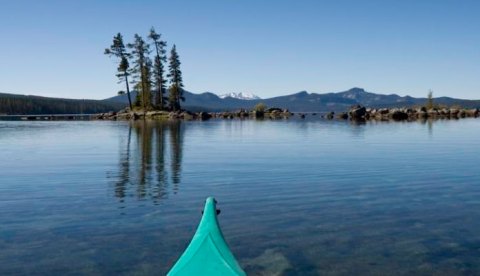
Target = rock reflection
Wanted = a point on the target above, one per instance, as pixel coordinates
(150, 152)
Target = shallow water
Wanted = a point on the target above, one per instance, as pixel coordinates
(297, 197)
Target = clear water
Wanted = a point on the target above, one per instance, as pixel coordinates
(297, 197)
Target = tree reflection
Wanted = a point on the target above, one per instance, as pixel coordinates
(160, 187)
(124, 165)
(144, 142)
(149, 149)
(176, 153)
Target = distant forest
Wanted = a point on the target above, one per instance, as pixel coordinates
(11, 104)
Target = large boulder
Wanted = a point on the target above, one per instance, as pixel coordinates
(384, 111)
(156, 113)
(343, 115)
(454, 111)
(124, 116)
(186, 115)
(174, 115)
(399, 115)
(472, 112)
(273, 109)
(204, 116)
(357, 112)
(136, 116)
(258, 114)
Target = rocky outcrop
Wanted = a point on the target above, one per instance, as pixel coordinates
(343, 115)
(204, 116)
(330, 115)
(401, 114)
(357, 112)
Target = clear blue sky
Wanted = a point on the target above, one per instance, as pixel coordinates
(270, 48)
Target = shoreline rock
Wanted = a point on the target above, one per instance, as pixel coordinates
(356, 112)
(403, 114)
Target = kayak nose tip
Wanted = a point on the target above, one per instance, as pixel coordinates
(211, 199)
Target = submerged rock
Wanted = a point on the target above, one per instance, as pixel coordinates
(271, 262)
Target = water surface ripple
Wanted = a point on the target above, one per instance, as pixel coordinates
(297, 197)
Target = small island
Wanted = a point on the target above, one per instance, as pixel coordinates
(142, 64)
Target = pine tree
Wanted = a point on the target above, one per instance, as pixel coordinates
(430, 99)
(158, 68)
(141, 71)
(176, 82)
(118, 50)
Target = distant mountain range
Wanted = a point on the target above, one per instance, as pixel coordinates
(298, 102)
(310, 102)
(241, 96)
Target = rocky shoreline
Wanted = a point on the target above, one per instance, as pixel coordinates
(126, 114)
(402, 114)
(358, 113)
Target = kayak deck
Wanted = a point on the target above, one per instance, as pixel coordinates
(207, 253)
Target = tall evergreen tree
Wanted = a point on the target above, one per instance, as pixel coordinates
(118, 50)
(430, 99)
(176, 82)
(141, 71)
(158, 68)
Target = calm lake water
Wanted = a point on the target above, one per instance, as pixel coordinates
(297, 197)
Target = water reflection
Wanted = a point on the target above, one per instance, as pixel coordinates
(429, 123)
(176, 153)
(150, 152)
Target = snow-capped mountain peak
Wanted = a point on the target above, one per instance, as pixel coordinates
(241, 96)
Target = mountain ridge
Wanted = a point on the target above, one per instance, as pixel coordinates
(303, 101)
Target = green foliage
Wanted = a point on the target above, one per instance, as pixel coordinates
(260, 107)
(148, 76)
(118, 50)
(173, 92)
(141, 71)
(12, 104)
(176, 81)
(158, 68)
(430, 104)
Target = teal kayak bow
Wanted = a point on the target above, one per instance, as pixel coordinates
(207, 253)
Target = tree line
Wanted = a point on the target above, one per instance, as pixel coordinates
(135, 66)
(12, 104)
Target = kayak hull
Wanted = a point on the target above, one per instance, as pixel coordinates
(208, 252)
